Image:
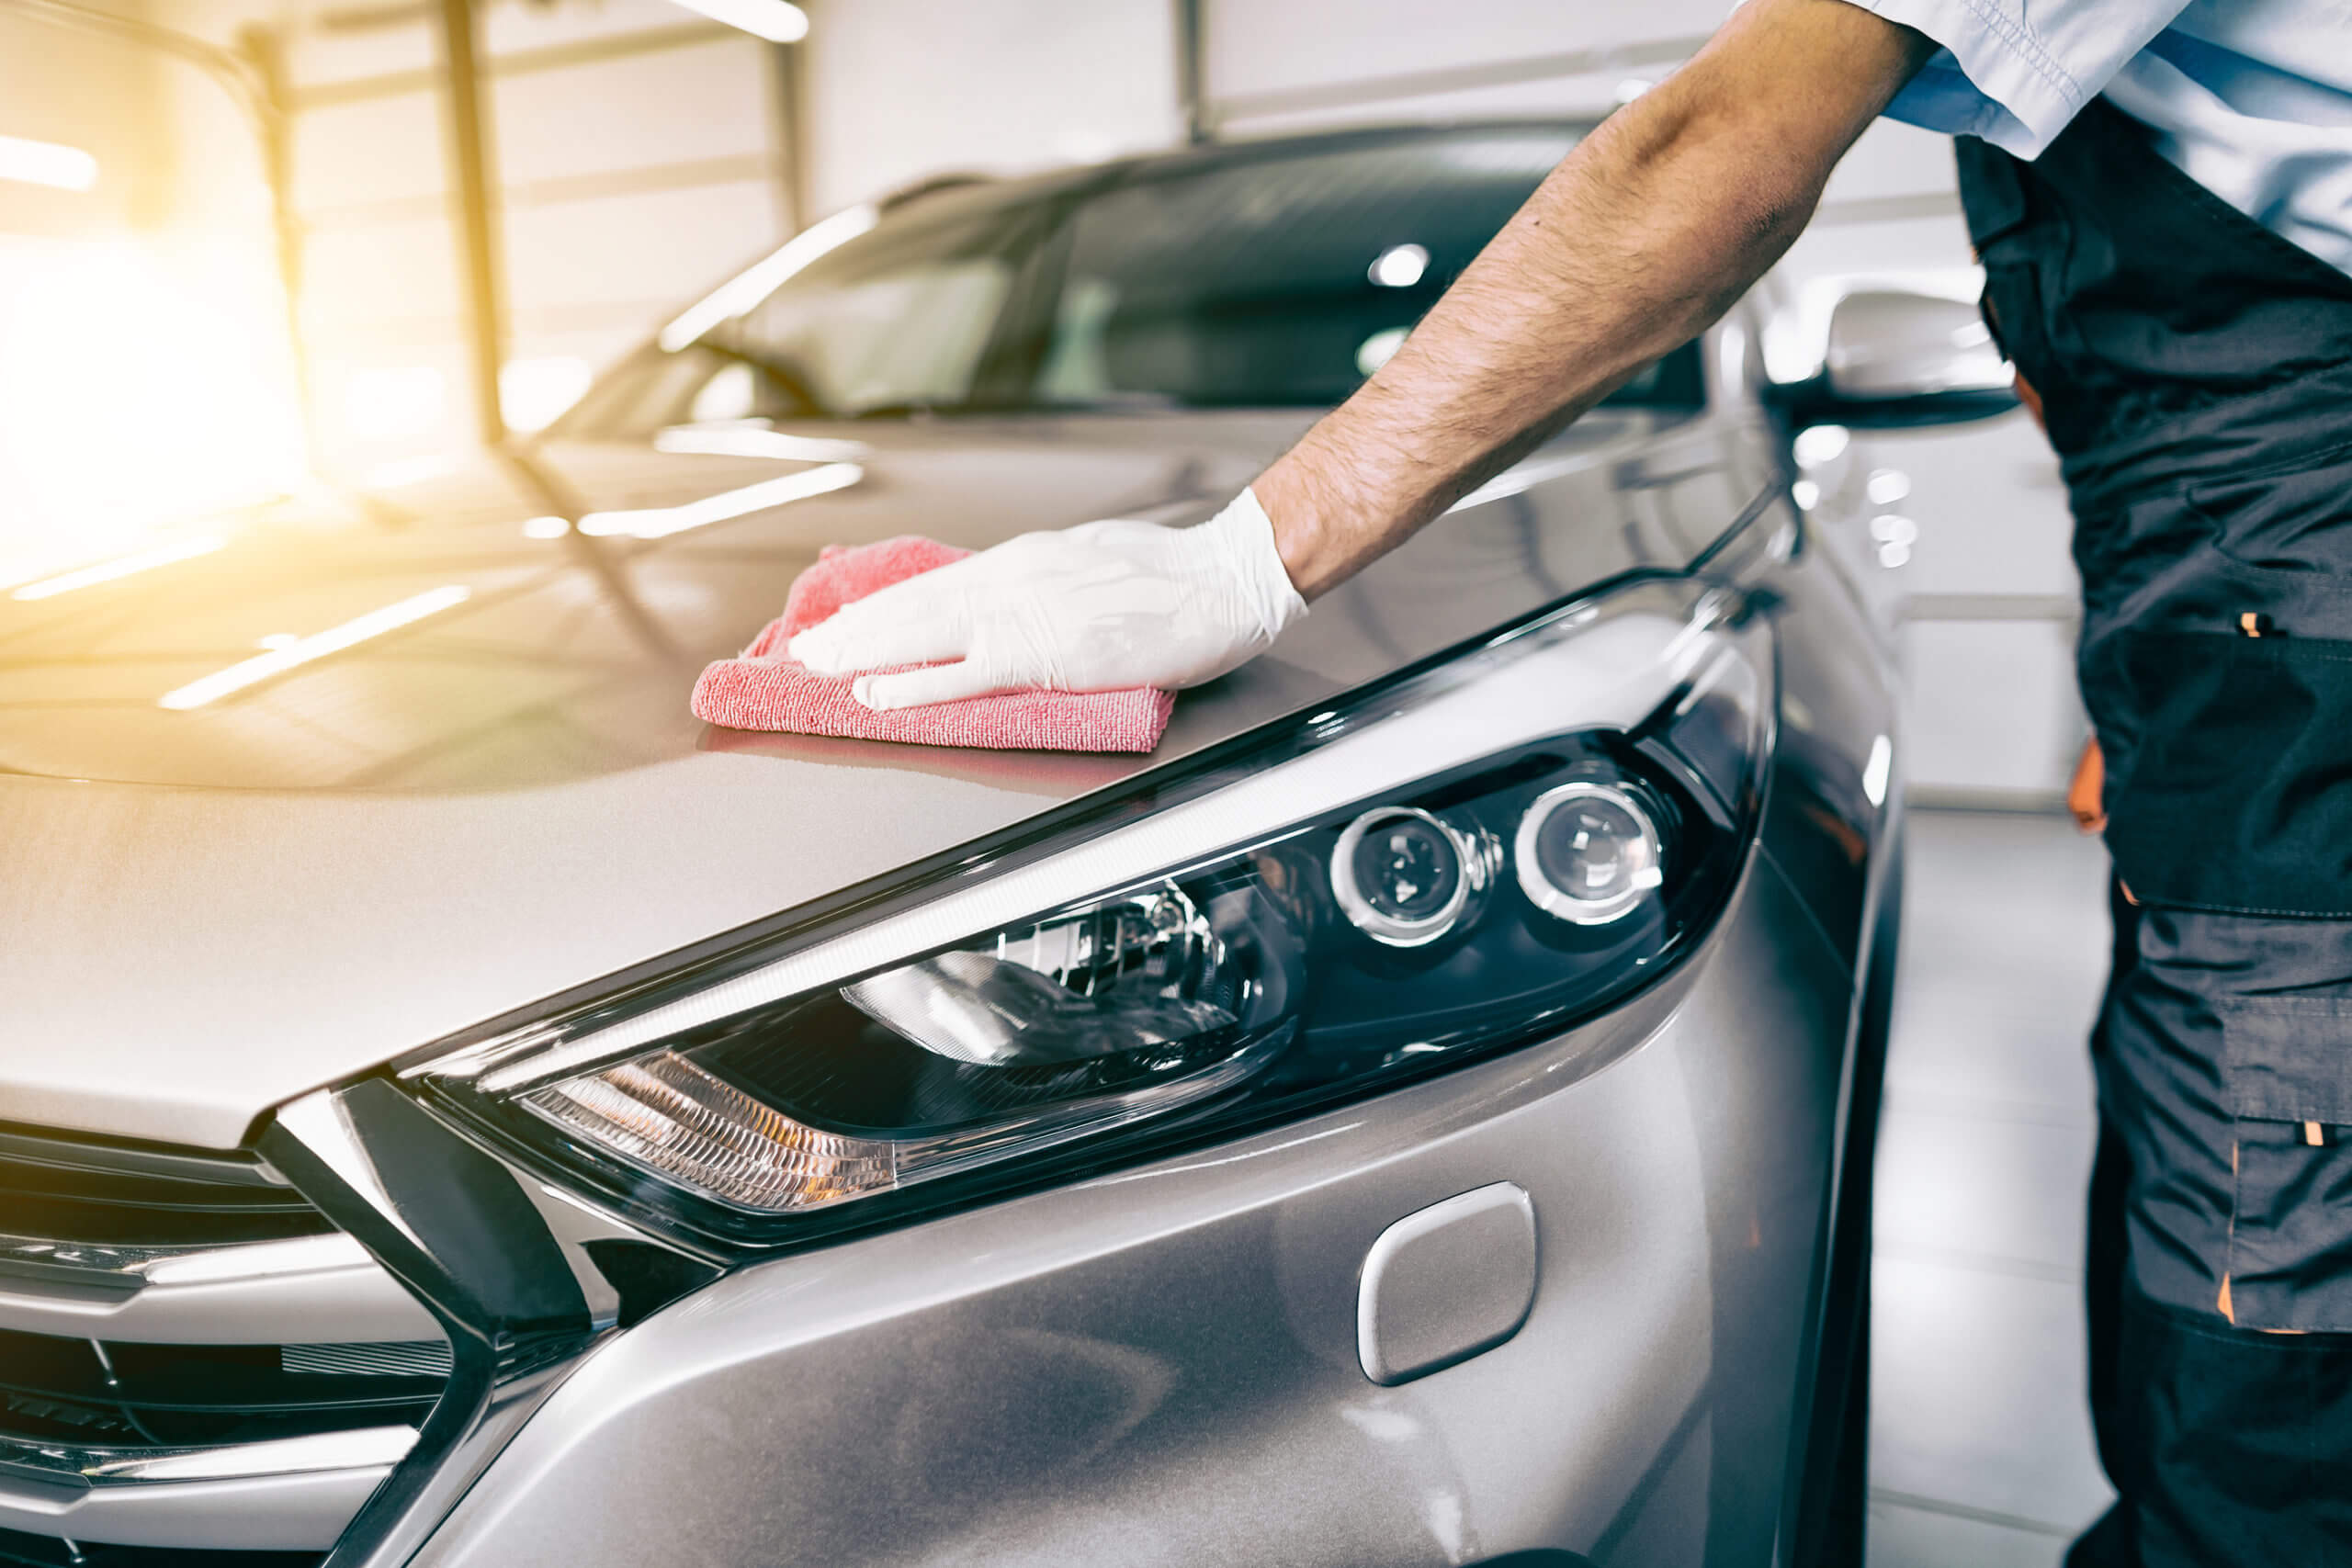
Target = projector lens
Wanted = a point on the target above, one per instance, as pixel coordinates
(1405, 877)
(1588, 853)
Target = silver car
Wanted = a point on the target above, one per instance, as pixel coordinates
(457, 1109)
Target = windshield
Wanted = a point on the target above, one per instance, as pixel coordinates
(1280, 278)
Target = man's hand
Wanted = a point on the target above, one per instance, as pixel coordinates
(1099, 607)
(2087, 793)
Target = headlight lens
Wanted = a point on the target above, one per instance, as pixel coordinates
(1408, 877)
(1589, 850)
(1136, 972)
(1455, 862)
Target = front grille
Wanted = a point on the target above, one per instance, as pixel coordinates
(114, 1198)
(20, 1550)
(81, 1224)
(397, 1359)
(184, 1396)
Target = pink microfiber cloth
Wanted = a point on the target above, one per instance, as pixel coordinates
(766, 690)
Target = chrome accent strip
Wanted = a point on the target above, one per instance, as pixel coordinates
(366, 1449)
(81, 1467)
(303, 1512)
(207, 1170)
(128, 1268)
(308, 1289)
(257, 1260)
(87, 1272)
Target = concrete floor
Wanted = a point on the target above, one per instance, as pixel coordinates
(1981, 1445)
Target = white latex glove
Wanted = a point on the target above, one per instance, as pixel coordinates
(1096, 608)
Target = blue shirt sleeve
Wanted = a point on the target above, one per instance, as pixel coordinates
(2013, 73)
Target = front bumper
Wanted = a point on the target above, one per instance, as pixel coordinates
(1158, 1365)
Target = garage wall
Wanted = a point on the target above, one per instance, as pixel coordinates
(899, 89)
(641, 152)
(1274, 65)
(81, 89)
(110, 325)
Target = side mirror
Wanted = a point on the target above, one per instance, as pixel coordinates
(1897, 359)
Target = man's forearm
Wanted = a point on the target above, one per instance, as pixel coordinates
(1641, 238)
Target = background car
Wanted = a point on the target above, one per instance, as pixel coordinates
(463, 1109)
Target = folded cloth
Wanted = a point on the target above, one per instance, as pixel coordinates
(766, 690)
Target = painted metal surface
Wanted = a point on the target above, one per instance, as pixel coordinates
(509, 798)
(1172, 1353)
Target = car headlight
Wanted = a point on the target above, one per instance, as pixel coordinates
(1460, 860)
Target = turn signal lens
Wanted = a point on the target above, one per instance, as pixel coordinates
(667, 1114)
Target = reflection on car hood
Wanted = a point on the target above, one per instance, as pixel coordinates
(468, 778)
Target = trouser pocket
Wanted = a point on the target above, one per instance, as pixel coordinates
(2295, 522)
(2289, 1077)
(2234, 790)
(2238, 1451)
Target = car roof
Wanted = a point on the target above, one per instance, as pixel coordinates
(1208, 156)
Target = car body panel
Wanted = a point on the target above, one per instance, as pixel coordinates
(387, 846)
(1838, 703)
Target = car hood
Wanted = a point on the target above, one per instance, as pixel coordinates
(219, 896)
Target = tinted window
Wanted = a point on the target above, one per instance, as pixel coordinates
(898, 319)
(1277, 279)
